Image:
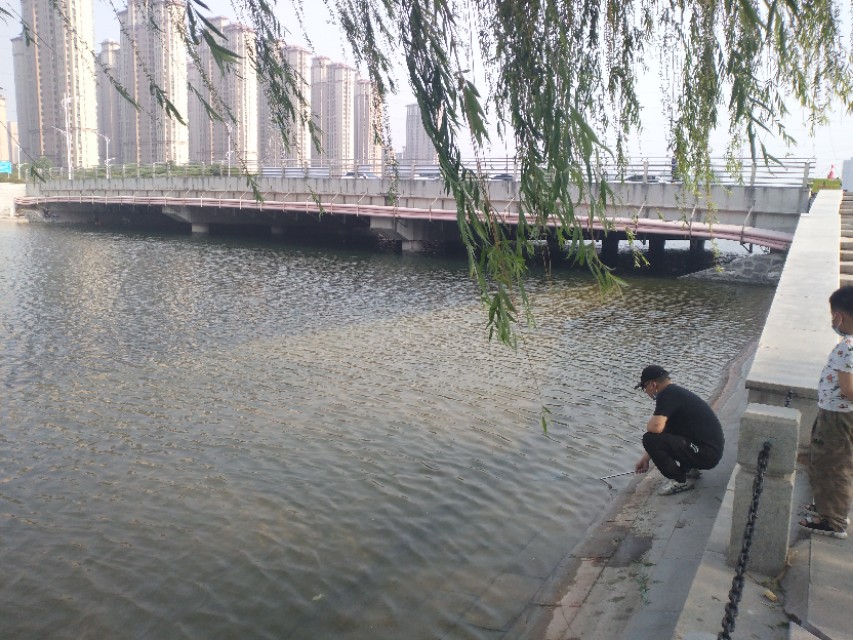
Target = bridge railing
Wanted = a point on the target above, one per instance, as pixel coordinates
(788, 172)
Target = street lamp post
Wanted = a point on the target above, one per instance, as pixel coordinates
(67, 132)
(68, 147)
(229, 152)
(107, 154)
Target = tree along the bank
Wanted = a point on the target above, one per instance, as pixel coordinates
(560, 83)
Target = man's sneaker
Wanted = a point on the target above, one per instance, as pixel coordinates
(811, 511)
(694, 473)
(672, 487)
(822, 527)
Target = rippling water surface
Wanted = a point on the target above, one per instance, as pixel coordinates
(224, 439)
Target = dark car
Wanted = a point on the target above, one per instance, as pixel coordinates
(503, 176)
(368, 175)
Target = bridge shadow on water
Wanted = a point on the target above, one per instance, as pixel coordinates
(639, 259)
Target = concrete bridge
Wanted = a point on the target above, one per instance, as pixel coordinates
(417, 212)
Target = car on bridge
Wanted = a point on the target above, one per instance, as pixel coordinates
(368, 175)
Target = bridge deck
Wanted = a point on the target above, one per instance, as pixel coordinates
(680, 228)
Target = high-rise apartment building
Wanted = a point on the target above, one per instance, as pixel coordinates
(232, 92)
(109, 103)
(319, 107)
(152, 58)
(55, 83)
(419, 147)
(273, 151)
(367, 114)
(206, 79)
(332, 102)
(238, 135)
(340, 130)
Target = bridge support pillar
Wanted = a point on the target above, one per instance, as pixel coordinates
(657, 244)
(412, 234)
(610, 249)
(200, 228)
(697, 247)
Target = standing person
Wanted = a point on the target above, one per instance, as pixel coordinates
(831, 450)
(683, 436)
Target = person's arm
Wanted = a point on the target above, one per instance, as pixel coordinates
(845, 383)
(656, 424)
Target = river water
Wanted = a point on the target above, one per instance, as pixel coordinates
(214, 438)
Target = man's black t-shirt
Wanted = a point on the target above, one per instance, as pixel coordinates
(689, 416)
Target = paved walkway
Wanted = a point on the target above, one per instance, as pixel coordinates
(654, 567)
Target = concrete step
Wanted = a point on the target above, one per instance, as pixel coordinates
(847, 255)
(796, 632)
(847, 268)
(846, 244)
(844, 280)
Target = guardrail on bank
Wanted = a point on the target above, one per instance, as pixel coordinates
(788, 172)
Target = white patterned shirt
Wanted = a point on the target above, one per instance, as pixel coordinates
(828, 392)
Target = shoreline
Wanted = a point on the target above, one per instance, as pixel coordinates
(608, 583)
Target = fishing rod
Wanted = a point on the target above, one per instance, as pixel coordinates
(615, 475)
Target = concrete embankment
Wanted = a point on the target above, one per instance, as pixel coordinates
(8, 193)
(750, 269)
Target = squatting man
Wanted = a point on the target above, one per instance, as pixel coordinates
(682, 436)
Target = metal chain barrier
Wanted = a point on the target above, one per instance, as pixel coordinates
(743, 559)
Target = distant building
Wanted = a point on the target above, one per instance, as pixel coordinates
(332, 101)
(150, 58)
(339, 131)
(205, 80)
(232, 93)
(419, 147)
(240, 92)
(273, 151)
(55, 84)
(319, 106)
(367, 116)
(109, 104)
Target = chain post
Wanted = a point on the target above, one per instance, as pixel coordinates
(736, 591)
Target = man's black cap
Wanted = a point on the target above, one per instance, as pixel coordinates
(652, 372)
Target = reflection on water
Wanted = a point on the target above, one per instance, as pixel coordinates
(219, 439)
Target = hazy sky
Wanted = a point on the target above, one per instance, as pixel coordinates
(830, 146)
